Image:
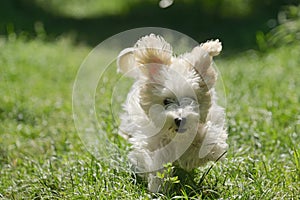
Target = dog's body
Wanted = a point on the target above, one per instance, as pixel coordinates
(171, 115)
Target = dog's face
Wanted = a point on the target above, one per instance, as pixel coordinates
(169, 95)
(174, 91)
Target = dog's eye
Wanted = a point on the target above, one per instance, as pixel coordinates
(169, 101)
(188, 101)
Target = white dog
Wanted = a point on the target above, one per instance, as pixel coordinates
(171, 114)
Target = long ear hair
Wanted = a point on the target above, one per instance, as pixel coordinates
(148, 54)
(201, 57)
(126, 63)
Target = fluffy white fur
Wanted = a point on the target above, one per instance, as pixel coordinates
(171, 114)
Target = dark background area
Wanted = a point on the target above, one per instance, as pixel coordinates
(236, 27)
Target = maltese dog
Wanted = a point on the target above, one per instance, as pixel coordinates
(171, 113)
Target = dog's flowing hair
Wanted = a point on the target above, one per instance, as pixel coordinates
(171, 114)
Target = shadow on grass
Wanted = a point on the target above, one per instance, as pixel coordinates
(191, 188)
(180, 183)
(187, 186)
(192, 18)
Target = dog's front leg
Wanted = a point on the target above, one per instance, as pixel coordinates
(154, 182)
(160, 181)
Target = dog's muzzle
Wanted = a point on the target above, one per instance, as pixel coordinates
(180, 122)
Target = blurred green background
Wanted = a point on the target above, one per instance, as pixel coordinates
(237, 23)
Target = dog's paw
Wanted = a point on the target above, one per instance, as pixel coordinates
(154, 183)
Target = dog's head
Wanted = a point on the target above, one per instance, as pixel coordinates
(177, 88)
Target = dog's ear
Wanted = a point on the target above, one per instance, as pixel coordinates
(213, 47)
(152, 53)
(153, 49)
(126, 63)
(201, 57)
(148, 55)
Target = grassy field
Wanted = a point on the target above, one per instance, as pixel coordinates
(42, 157)
(41, 153)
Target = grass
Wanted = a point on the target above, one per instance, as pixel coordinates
(42, 157)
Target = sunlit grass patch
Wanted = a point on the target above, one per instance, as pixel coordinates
(41, 155)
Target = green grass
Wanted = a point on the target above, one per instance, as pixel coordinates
(42, 157)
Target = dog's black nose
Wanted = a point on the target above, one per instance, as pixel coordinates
(180, 121)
